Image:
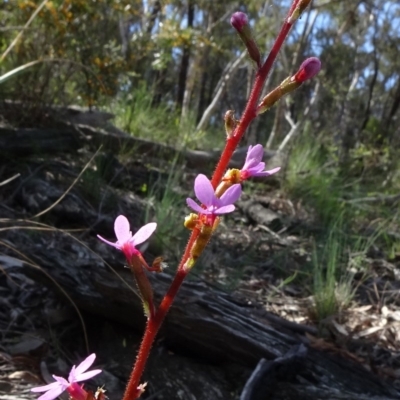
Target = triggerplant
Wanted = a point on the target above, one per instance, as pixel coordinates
(216, 197)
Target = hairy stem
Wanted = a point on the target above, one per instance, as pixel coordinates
(154, 323)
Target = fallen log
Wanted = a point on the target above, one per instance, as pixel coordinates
(68, 138)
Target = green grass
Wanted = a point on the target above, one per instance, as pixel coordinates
(165, 205)
(327, 267)
(310, 177)
(336, 259)
(339, 253)
(135, 114)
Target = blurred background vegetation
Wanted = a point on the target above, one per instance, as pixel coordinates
(169, 70)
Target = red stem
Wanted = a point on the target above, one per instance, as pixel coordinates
(154, 323)
(250, 111)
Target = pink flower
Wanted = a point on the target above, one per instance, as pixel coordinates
(125, 241)
(239, 20)
(206, 195)
(253, 165)
(308, 69)
(77, 374)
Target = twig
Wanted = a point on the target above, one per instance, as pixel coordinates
(70, 187)
(14, 42)
(10, 179)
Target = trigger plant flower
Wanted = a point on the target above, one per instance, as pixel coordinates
(212, 206)
(253, 165)
(127, 244)
(77, 374)
(125, 241)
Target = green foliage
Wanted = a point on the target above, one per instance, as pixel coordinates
(325, 273)
(341, 208)
(164, 205)
(311, 177)
(81, 40)
(136, 114)
(336, 258)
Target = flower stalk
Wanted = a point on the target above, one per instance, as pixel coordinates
(200, 236)
(235, 131)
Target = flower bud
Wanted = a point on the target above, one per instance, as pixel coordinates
(230, 123)
(200, 243)
(240, 22)
(308, 69)
(144, 286)
(158, 265)
(191, 221)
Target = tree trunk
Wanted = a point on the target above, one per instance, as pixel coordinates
(184, 60)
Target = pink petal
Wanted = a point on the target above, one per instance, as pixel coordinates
(110, 243)
(254, 156)
(87, 362)
(231, 195)
(195, 207)
(256, 152)
(87, 375)
(204, 190)
(52, 394)
(45, 388)
(225, 209)
(122, 229)
(61, 381)
(267, 173)
(143, 233)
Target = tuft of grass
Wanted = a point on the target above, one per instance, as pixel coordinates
(164, 205)
(313, 178)
(326, 268)
(335, 265)
(136, 115)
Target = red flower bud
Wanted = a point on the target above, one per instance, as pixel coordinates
(308, 69)
(239, 20)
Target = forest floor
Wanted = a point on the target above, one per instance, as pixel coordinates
(263, 264)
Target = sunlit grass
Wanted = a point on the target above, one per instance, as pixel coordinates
(137, 115)
(165, 205)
